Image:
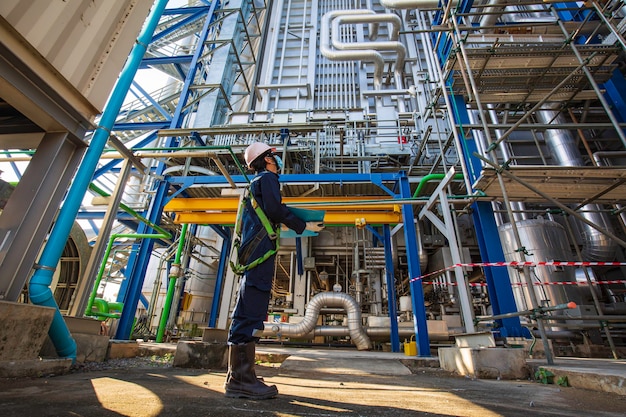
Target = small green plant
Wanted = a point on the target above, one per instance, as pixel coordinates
(562, 381)
(544, 376)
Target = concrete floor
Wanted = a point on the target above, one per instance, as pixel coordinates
(311, 382)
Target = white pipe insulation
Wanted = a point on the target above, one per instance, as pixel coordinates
(392, 45)
(413, 4)
(325, 299)
(351, 55)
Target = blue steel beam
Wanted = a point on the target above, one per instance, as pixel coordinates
(165, 60)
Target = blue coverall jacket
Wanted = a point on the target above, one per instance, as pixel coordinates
(256, 284)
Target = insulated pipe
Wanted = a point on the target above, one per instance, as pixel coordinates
(325, 299)
(491, 14)
(365, 55)
(392, 45)
(39, 286)
(378, 333)
(564, 149)
(413, 4)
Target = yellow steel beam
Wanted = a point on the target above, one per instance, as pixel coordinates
(331, 218)
(317, 203)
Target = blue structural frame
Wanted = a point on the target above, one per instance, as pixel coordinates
(130, 291)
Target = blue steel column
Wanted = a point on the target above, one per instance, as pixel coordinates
(616, 94)
(391, 290)
(489, 244)
(417, 292)
(221, 271)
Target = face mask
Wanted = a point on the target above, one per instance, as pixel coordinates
(279, 162)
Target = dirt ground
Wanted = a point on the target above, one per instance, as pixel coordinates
(153, 389)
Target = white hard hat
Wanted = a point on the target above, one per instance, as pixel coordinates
(255, 150)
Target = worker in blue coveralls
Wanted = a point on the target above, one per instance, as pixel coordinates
(256, 284)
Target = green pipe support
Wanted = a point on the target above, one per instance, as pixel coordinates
(174, 273)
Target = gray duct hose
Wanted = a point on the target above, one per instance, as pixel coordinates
(325, 299)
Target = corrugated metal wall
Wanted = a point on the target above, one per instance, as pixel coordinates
(86, 41)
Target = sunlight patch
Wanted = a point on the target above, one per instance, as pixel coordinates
(321, 407)
(123, 397)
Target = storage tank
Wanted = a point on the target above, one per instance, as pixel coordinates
(544, 240)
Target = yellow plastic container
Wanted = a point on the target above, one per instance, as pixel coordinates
(410, 348)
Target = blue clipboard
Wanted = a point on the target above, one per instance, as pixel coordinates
(307, 216)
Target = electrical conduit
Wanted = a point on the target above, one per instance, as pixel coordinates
(39, 285)
(175, 272)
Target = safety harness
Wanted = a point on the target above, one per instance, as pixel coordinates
(241, 264)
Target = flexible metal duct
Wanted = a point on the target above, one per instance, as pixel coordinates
(563, 148)
(325, 299)
(364, 55)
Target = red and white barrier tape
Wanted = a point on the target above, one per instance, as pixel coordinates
(522, 264)
(520, 284)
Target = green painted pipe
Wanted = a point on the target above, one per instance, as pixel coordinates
(431, 177)
(94, 291)
(130, 211)
(174, 272)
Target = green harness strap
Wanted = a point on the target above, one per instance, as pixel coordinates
(273, 235)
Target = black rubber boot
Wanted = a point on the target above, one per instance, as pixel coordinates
(241, 380)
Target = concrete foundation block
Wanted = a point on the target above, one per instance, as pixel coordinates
(34, 368)
(193, 354)
(23, 330)
(89, 348)
(123, 349)
(485, 363)
(211, 335)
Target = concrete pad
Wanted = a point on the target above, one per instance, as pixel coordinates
(23, 330)
(34, 368)
(342, 365)
(488, 363)
(193, 354)
(605, 375)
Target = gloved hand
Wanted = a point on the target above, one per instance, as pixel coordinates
(314, 226)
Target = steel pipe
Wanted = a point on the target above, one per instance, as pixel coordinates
(307, 325)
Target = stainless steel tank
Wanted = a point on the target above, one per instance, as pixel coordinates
(544, 240)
